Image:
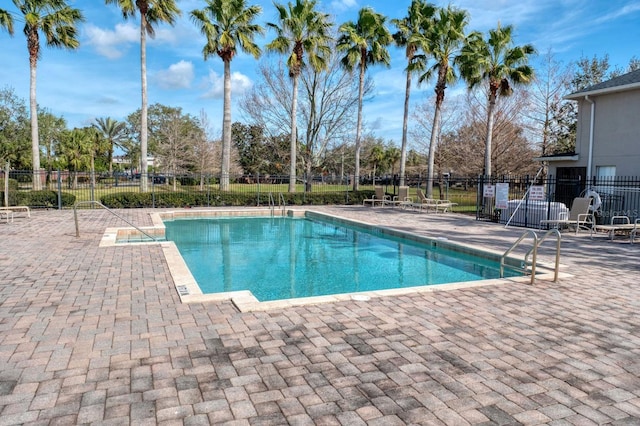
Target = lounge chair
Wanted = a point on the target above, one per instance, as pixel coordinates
(402, 199)
(579, 216)
(423, 203)
(431, 204)
(618, 224)
(10, 210)
(8, 214)
(379, 197)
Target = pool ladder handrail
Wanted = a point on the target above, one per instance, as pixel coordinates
(550, 232)
(281, 203)
(516, 244)
(272, 203)
(534, 250)
(98, 203)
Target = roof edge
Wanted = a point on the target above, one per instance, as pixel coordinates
(608, 90)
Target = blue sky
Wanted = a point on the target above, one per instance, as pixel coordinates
(102, 77)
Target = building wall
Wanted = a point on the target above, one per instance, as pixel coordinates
(616, 133)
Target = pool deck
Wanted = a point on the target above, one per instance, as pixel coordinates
(99, 335)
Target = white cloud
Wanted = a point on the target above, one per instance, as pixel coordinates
(177, 76)
(622, 12)
(240, 83)
(342, 5)
(110, 43)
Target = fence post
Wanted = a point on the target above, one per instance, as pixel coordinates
(153, 191)
(6, 185)
(258, 180)
(59, 190)
(92, 180)
(208, 181)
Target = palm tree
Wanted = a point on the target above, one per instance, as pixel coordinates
(410, 36)
(152, 12)
(301, 29)
(113, 132)
(495, 60)
(6, 21)
(443, 40)
(376, 157)
(227, 24)
(364, 43)
(57, 22)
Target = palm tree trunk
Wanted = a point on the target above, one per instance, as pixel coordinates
(143, 109)
(93, 170)
(110, 159)
(488, 149)
(226, 129)
(356, 177)
(405, 121)
(435, 129)
(294, 108)
(35, 137)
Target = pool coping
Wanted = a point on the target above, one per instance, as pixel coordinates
(189, 291)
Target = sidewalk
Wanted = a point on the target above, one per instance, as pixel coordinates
(98, 335)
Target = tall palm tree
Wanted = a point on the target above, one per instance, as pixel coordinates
(227, 24)
(443, 40)
(113, 131)
(301, 29)
(56, 20)
(152, 12)
(6, 21)
(496, 61)
(410, 36)
(364, 43)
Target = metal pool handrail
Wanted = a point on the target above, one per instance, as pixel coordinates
(75, 217)
(558, 241)
(514, 245)
(282, 203)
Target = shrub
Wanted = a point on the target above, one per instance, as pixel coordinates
(44, 198)
(13, 191)
(219, 199)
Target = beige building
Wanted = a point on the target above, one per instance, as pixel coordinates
(607, 153)
(608, 132)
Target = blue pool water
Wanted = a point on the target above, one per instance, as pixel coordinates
(285, 257)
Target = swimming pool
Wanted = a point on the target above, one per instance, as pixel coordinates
(278, 258)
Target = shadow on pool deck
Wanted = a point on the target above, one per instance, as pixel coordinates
(98, 335)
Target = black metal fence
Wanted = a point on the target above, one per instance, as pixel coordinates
(529, 199)
(60, 189)
(532, 199)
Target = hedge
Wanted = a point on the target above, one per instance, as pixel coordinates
(44, 198)
(218, 199)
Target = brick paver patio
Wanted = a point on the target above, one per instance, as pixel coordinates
(93, 335)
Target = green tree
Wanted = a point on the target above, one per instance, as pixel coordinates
(443, 40)
(250, 143)
(376, 158)
(52, 128)
(74, 153)
(6, 21)
(391, 157)
(57, 21)
(152, 12)
(14, 130)
(364, 43)
(114, 132)
(496, 61)
(177, 134)
(410, 36)
(301, 29)
(227, 24)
